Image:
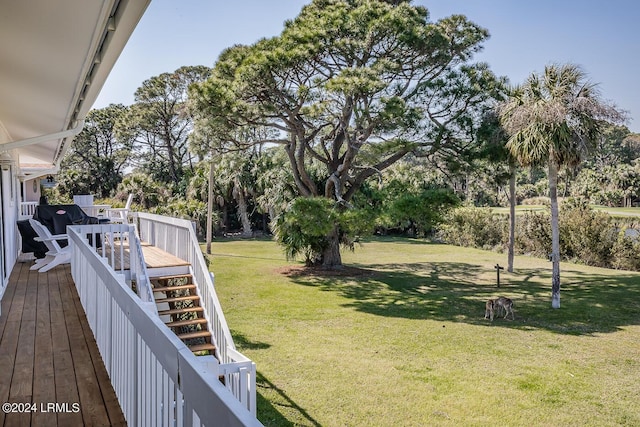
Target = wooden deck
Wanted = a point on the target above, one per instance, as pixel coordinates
(158, 262)
(48, 356)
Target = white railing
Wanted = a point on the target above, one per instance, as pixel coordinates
(120, 246)
(177, 237)
(240, 378)
(157, 379)
(27, 209)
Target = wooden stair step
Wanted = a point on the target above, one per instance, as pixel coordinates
(203, 347)
(173, 288)
(198, 334)
(176, 276)
(177, 299)
(178, 323)
(180, 311)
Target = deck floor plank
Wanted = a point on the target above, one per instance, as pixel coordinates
(12, 306)
(114, 412)
(154, 257)
(21, 390)
(64, 374)
(5, 305)
(48, 354)
(88, 389)
(43, 373)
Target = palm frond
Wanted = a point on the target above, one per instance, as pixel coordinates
(556, 115)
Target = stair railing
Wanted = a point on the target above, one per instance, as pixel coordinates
(177, 237)
(119, 246)
(158, 381)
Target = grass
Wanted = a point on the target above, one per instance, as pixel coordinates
(520, 209)
(624, 212)
(613, 211)
(404, 342)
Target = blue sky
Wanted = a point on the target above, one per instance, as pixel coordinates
(600, 35)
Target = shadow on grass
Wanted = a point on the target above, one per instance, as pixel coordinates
(273, 401)
(275, 407)
(246, 344)
(452, 291)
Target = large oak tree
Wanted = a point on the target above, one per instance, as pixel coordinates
(354, 86)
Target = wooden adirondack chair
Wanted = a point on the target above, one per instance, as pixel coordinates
(55, 255)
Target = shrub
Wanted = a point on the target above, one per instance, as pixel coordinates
(625, 253)
(533, 234)
(193, 210)
(475, 227)
(586, 236)
(147, 192)
(304, 228)
(420, 213)
(524, 192)
(608, 197)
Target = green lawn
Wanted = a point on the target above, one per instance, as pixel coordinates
(520, 209)
(618, 211)
(405, 343)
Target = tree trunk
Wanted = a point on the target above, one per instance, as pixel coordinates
(226, 220)
(210, 209)
(331, 256)
(512, 219)
(173, 170)
(555, 235)
(242, 210)
(272, 217)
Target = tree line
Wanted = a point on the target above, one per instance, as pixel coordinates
(360, 117)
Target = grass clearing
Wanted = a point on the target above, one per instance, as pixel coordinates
(404, 341)
(623, 212)
(613, 211)
(520, 209)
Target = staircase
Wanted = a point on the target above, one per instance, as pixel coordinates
(179, 308)
(186, 300)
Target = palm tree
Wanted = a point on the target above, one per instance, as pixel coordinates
(553, 119)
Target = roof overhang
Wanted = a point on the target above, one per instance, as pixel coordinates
(55, 58)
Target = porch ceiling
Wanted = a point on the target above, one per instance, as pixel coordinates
(55, 58)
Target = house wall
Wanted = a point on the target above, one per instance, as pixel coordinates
(9, 216)
(3, 282)
(32, 190)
